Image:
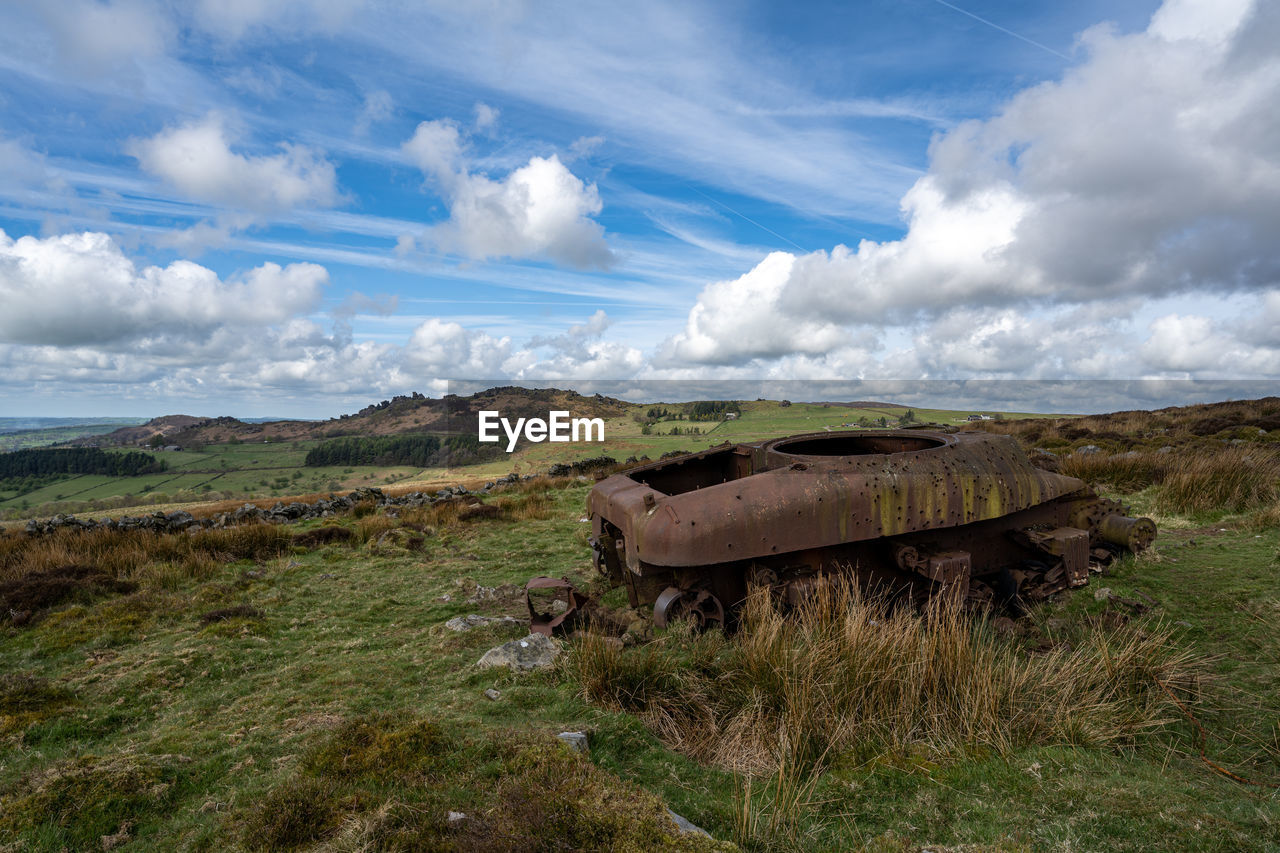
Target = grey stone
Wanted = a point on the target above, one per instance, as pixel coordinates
(471, 620)
(493, 695)
(576, 741)
(684, 827)
(1089, 449)
(533, 652)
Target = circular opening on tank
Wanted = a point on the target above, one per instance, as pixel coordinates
(858, 445)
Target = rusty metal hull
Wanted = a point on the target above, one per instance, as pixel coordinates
(902, 508)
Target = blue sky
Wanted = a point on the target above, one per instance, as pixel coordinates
(293, 208)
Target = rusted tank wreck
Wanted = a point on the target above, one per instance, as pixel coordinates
(907, 512)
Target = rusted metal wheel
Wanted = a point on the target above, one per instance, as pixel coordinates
(700, 606)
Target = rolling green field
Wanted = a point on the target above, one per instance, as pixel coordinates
(214, 472)
(264, 470)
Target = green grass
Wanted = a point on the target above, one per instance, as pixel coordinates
(258, 470)
(176, 731)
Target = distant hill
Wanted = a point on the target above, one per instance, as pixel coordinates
(32, 424)
(404, 414)
(859, 404)
(20, 433)
(166, 425)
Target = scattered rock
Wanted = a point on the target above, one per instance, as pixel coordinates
(533, 652)
(1089, 449)
(493, 695)
(471, 620)
(576, 741)
(684, 827)
(454, 817)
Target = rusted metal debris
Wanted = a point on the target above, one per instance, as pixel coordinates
(541, 593)
(904, 512)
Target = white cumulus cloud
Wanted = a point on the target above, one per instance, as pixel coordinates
(80, 288)
(538, 210)
(1150, 169)
(197, 160)
(445, 349)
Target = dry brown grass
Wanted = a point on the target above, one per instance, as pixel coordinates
(849, 678)
(1214, 478)
(1234, 479)
(122, 555)
(533, 506)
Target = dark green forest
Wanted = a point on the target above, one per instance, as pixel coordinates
(77, 460)
(420, 451)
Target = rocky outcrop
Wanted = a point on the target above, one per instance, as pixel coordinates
(533, 652)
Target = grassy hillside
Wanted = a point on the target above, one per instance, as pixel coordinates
(257, 688)
(15, 434)
(260, 461)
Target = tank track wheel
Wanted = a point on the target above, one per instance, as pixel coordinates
(703, 608)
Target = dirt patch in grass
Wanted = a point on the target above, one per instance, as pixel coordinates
(26, 698)
(240, 611)
(25, 597)
(323, 536)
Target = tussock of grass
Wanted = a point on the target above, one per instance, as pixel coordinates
(1217, 478)
(80, 800)
(117, 553)
(846, 679)
(26, 698)
(370, 527)
(519, 792)
(551, 799)
(1235, 479)
(532, 506)
(297, 812)
(380, 745)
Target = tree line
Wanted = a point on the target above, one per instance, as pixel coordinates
(420, 451)
(44, 462)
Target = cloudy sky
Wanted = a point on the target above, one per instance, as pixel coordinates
(295, 208)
